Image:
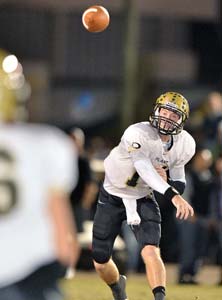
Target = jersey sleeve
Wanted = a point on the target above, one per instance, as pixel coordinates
(177, 173)
(138, 149)
(178, 170)
(135, 143)
(62, 165)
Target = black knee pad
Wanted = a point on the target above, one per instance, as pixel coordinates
(100, 255)
(101, 252)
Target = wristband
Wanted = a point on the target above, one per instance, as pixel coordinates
(170, 193)
(178, 185)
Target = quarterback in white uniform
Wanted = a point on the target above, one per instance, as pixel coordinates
(149, 158)
(124, 180)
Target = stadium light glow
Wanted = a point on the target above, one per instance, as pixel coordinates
(10, 63)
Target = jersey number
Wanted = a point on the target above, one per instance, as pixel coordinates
(133, 180)
(8, 187)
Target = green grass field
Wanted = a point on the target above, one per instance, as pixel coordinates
(88, 286)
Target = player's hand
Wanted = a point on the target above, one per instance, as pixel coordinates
(161, 172)
(74, 249)
(184, 209)
(68, 249)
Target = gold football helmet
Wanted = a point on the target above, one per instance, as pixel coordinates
(174, 102)
(12, 106)
(7, 95)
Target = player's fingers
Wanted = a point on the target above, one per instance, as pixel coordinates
(191, 211)
(160, 170)
(179, 211)
(162, 174)
(187, 213)
(183, 213)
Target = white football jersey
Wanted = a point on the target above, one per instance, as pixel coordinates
(141, 143)
(33, 159)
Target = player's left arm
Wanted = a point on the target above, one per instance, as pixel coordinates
(62, 175)
(178, 184)
(177, 177)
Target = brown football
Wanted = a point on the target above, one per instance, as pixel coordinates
(95, 18)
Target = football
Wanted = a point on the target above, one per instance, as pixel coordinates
(96, 18)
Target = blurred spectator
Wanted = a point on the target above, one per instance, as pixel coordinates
(99, 148)
(219, 138)
(212, 123)
(98, 171)
(84, 194)
(38, 169)
(216, 206)
(193, 233)
(132, 249)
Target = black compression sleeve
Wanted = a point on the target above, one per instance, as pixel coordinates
(178, 185)
(170, 193)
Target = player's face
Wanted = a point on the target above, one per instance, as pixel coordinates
(167, 117)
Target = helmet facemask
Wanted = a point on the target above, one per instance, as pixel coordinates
(165, 125)
(170, 125)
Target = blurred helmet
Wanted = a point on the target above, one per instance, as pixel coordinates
(12, 106)
(78, 136)
(7, 104)
(174, 102)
